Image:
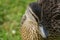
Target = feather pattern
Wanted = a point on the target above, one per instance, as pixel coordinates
(29, 28)
(51, 18)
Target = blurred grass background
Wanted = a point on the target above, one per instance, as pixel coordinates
(11, 12)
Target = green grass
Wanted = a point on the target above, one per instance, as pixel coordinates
(11, 12)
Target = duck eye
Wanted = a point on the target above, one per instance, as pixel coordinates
(57, 17)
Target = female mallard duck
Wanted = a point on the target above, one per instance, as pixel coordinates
(41, 21)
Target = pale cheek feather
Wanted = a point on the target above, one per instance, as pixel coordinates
(42, 32)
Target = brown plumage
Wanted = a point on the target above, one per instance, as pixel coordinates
(51, 18)
(29, 29)
(50, 11)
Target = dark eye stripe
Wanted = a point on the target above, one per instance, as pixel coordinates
(34, 16)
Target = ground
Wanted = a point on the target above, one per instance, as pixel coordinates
(11, 12)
